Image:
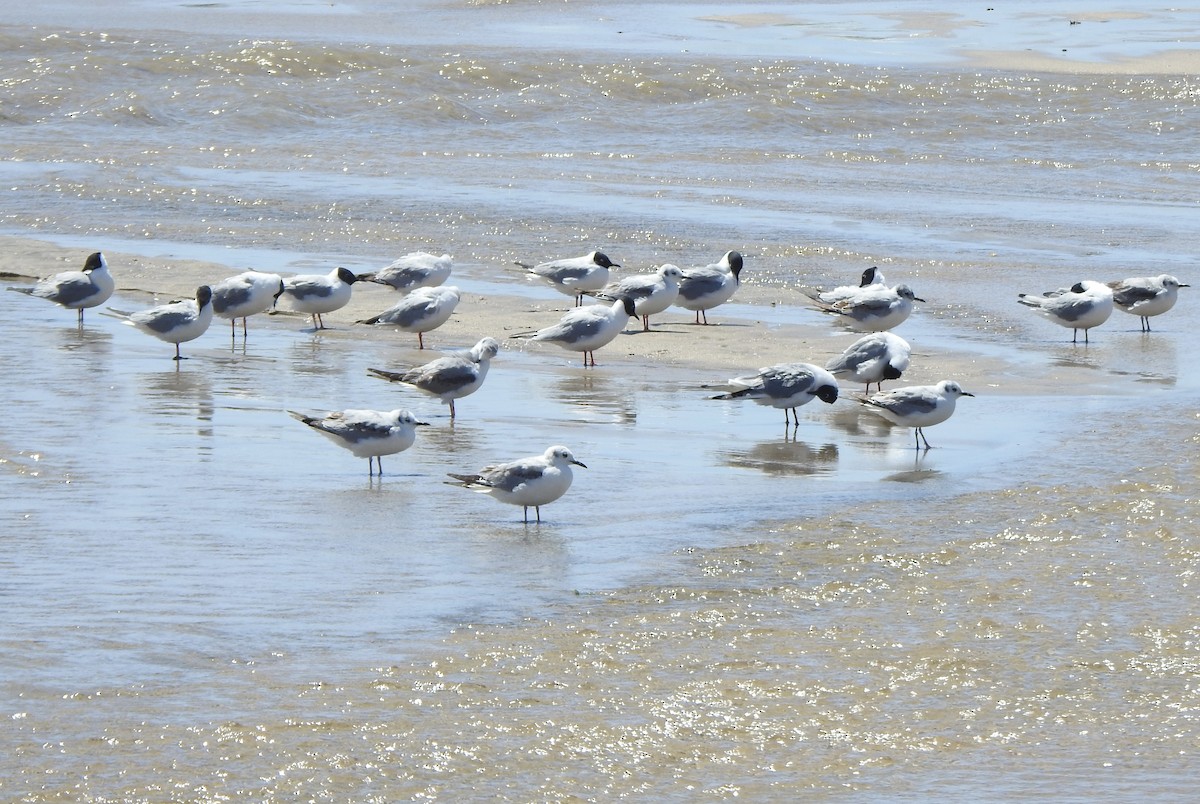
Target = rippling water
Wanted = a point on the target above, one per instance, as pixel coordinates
(201, 602)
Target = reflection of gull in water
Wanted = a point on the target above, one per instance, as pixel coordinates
(916, 406)
(369, 434)
(533, 481)
(783, 458)
(580, 390)
(171, 395)
(90, 286)
(451, 377)
(786, 386)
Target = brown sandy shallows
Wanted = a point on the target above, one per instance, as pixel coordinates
(788, 331)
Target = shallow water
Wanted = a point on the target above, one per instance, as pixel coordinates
(203, 599)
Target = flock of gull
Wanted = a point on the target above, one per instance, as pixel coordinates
(426, 302)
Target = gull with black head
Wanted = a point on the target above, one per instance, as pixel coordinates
(90, 286)
(317, 294)
(174, 322)
(246, 294)
(785, 386)
(574, 276)
(701, 289)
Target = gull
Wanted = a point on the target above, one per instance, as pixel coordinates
(534, 481)
(369, 434)
(317, 294)
(917, 406)
(244, 295)
(422, 310)
(418, 269)
(872, 279)
(876, 308)
(175, 322)
(451, 377)
(786, 386)
(651, 293)
(702, 289)
(90, 286)
(1084, 305)
(1146, 295)
(586, 329)
(872, 358)
(574, 276)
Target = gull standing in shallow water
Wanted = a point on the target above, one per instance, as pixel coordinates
(1145, 296)
(534, 481)
(1082, 306)
(702, 289)
(786, 386)
(244, 295)
(421, 311)
(916, 406)
(451, 377)
(90, 286)
(369, 434)
(175, 322)
(651, 293)
(872, 359)
(586, 329)
(418, 269)
(875, 309)
(574, 276)
(317, 294)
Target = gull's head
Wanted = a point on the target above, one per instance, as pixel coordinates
(669, 271)
(905, 292)
(952, 389)
(563, 455)
(203, 295)
(601, 259)
(402, 416)
(346, 275)
(486, 349)
(734, 260)
(827, 393)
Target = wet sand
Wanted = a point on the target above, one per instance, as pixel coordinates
(763, 325)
